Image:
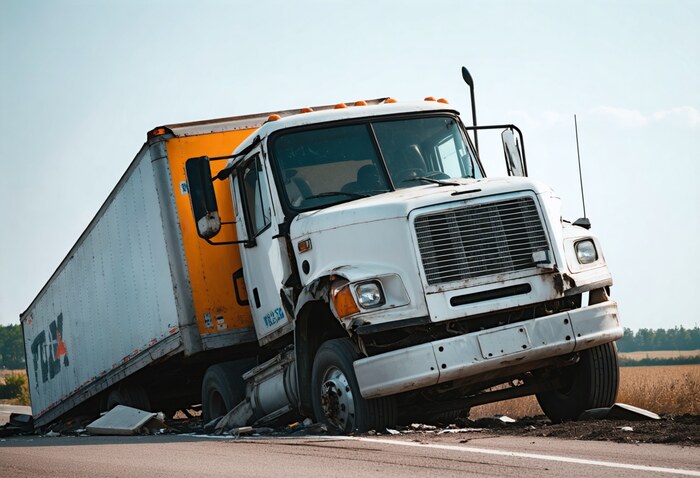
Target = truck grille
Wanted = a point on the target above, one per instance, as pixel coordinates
(480, 240)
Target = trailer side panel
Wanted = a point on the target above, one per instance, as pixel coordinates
(110, 302)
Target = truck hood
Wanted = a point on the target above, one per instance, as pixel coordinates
(398, 204)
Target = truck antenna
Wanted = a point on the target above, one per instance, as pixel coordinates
(583, 221)
(469, 81)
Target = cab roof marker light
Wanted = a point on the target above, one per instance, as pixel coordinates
(429, 98)
(306, 110)
(390, 100)
(360, 103)
(340, 106)
(273, 118)
(444, 101)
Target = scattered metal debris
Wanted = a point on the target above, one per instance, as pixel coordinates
(123, 420)
(619, 411)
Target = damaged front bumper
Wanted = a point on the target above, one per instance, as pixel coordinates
(488, 350)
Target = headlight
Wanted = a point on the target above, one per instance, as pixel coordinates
(369, 294)
(585, 252)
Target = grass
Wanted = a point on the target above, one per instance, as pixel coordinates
(16, 379)
(672, 390)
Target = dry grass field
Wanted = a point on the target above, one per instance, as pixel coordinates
(4, 373)
(672, 389)
(659, 354)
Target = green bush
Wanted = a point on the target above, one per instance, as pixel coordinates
(16, 389)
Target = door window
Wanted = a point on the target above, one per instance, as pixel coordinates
(257, 198)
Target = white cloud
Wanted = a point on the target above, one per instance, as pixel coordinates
(686, 116)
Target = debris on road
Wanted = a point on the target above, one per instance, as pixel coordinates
(123, 420)
(619, 411)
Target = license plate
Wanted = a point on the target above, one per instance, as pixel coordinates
(504, 342)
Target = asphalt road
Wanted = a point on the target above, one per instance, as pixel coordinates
(190, 456)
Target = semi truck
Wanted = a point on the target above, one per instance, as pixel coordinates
(352, 263)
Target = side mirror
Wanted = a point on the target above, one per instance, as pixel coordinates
(514, 157)
(202, 197)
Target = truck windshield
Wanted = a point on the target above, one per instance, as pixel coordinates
(332, 164)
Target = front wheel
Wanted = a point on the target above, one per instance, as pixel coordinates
(591, 383)
(336, 395)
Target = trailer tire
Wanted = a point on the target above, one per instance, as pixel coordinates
(223, 388)
(335, 393)
(134, 396)
(592, 383)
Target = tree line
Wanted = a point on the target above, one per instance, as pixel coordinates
(11, 348)
(678, 338)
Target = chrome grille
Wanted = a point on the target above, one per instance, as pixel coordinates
(480, 240)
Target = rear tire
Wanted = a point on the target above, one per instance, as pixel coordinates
(223, 388)
(133, 396)
(592, 383)
(335, 394)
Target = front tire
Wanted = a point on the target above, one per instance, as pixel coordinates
(592, 383)
(335, 394)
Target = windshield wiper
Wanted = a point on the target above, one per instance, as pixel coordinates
(432, 180)
(337, 193)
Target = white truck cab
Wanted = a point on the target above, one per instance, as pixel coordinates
(391, 279)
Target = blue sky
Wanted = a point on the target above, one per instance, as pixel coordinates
(81, 83)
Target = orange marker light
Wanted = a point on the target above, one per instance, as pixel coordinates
(304, 245)
(340, 106)
(343, 301)
(361, 103)
(273, 117)
(443, 100)
(307, 110)
(429, 98)
(390, 100)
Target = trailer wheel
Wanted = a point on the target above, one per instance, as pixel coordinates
(591, 383)
(335, 393)
(223, 388)
(134, 396)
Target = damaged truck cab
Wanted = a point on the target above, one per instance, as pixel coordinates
(389, 279)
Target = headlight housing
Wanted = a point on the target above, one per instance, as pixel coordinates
(586, 252)
(369, 294)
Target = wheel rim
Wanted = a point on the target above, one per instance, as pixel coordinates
(336, 399)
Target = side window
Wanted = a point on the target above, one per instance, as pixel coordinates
(447, 151)
(256, 196)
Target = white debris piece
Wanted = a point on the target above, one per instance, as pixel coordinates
(626, 429)
(460, 430)
(122, 420)
(393, 432)
(506, 419)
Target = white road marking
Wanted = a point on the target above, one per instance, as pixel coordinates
(534, 456)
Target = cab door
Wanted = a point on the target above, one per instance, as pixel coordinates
(264, 256)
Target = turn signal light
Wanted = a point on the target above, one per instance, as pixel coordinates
(343, 301)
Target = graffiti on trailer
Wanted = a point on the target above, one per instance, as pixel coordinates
(48, 354)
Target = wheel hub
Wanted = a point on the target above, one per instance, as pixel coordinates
(337, 400)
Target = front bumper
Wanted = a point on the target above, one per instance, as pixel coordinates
(488, 350)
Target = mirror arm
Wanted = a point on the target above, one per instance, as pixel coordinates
(505, 126)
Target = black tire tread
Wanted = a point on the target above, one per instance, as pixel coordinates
(375, 414)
